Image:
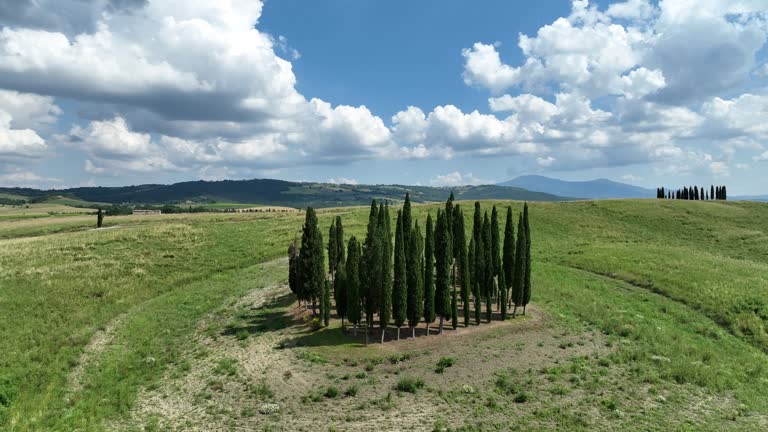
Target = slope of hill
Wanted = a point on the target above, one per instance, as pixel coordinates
(279, 192)
(649, 315)
(593, 189)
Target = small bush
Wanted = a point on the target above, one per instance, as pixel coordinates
(331, 392)
(351, 391)
(227, 366)
(409, 384)
(521, 397)
(444, 362)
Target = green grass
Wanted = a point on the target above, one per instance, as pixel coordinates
(679, 289)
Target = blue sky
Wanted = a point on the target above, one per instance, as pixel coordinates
(114, 92)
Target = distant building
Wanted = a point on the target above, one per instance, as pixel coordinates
(147, 212)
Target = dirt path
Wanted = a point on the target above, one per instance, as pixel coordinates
(99, 342)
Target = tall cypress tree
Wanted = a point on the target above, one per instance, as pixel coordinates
(352, 268)
(370, 269)
(488, 273)
(312, 260)
(449, 213)
(503, 294)
(442, 269)
(415, 273)
(508, 254)
(340, 246)
(326, 302)
(495, 249)
(429, 274)
(519, 273)
(385, 308)
(407, 224)
(294, 268)
(340, 292)
(400, 287)
(333, 249)
(527, 280)
(462, 260)
(478, 267)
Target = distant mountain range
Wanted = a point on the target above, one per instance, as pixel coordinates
(592, 189)
(276, 192)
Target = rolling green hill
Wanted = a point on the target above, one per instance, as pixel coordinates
(279, 193)
(651, 316)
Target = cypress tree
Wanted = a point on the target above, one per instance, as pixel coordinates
(352, 269)
(503, 293)
(462, 261)
(400, 287)
(333, 249)
(488, 274)
(442, 269)
(518, 274)
(725, 193)
(294, 268)
(508, 253)
(527, 280)
(99, 218)
(385, 307)
(326, 302)
(429, 274)
(407, 224)
(478, 269)
(340, 254)
(415, 269)
(370, 270)
(711, 192)
(312, 260)
(340, 292)
(495, 248)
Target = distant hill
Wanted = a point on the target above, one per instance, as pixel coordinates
(761, 198)
(276, 192)
(593, 189)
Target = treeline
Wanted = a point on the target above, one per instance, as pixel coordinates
(403, 277)
(693, 193)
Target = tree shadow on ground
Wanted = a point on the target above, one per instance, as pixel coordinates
(271, 316)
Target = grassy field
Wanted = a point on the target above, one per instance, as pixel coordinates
(647, 315)
(39, 210)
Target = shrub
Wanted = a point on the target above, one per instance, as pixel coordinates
(351, 391)
(331, 392)
(226, 366)
(409, 384)
(521, 397)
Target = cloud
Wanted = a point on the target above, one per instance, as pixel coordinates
(25, 179)
(457, 179)
(631, 178)
(761, 157)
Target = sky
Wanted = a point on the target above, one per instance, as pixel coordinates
(119, 92)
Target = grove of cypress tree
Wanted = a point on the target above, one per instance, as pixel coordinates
(312, 260)
(385, 307)
(352, 270)
(462, 260)
(527, 277)
(400, 286)
(442, 269)
(429, 274)
(508, 252)
(415, 274)
(488, 274)
(518, 274)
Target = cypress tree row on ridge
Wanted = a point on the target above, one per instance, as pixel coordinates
(415, 274)
(400, 286)
(429, 274)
